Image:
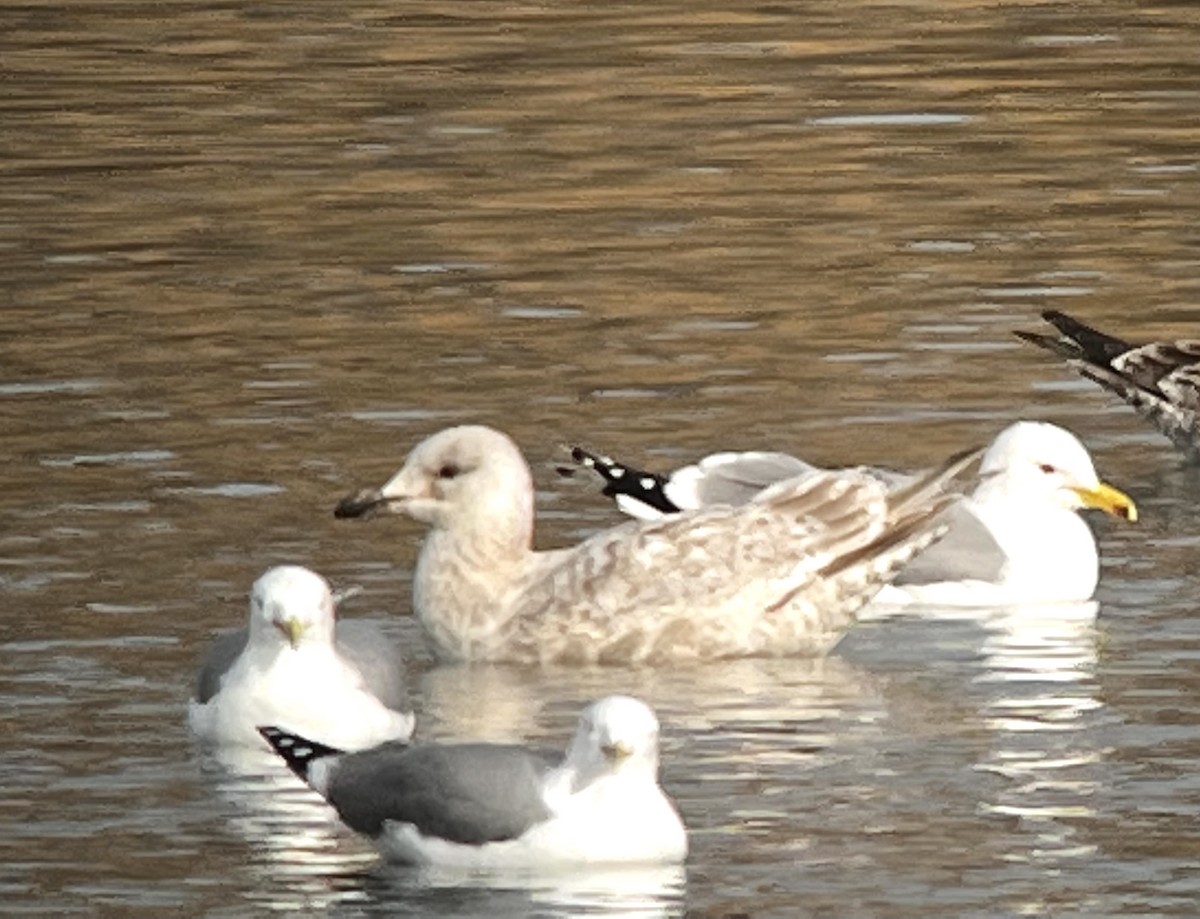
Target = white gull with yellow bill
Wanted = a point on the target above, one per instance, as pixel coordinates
(1016, 538)
(505, 806)
(293, 666)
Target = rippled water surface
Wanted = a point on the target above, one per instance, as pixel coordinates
(253, 252)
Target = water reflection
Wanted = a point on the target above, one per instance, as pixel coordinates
(1042, 700)
(1033, 644)
(299, 847)
(1028, 682)
(1037, 677)
(501, 703)
(252, 253)
(627, 893)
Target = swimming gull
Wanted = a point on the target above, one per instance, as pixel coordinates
(481, 805)
(782, 574)
(288, 668)
(1161, 379)
(1016, 539)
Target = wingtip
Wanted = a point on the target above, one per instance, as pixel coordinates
(298, 752)
(927, 487)
(1065, 346)
(1093, 345)
(1034, 338)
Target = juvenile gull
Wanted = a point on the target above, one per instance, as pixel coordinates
(782, 574)
(481, 805)
(1015, 539)
(287, 668)
(1161, 379)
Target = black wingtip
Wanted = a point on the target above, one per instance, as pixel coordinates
(1076, 341)
(1097, 347)
(1060, 346)
(1033, 338)
(621, 481)
(606, 467)
(582, 457)
(579, 458)
(298, 752)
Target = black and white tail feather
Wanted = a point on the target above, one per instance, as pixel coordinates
(637, 492)
(300, 753)
(1160, 380)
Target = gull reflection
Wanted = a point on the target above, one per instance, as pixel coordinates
(512, 704)
(622, 893)
(301, 851)
(1040, 684)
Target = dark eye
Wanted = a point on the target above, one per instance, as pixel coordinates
(1047, 468)
(448, 471)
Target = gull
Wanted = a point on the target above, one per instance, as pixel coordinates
(782, 574)
(1017, 538)
(1161, 379)
(484, 805)
(289, 667)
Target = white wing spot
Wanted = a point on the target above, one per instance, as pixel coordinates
(647, 483)
(303, 752)
(284, 741)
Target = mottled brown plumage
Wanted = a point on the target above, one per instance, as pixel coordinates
(784, 574)
(1160, 379)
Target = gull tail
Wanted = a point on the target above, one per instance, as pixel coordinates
(1077, 341)
(1095, 345)
(1064, 348)
(914, 512)
(924, 488)
(1160, 380)
(300, 754)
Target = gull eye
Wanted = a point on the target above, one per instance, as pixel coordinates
(1047, 468)
(448, 471)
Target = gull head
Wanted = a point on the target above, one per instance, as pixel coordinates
(293, 605)
(615, 734)
(1040, 460)
(469, 475)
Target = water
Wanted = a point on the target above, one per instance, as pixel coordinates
(253, 253)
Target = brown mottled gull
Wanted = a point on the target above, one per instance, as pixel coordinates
(783, 574)
(1161, 379)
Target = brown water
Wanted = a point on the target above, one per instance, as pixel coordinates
(253, 252)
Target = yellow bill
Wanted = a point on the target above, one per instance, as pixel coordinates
(1110, 500)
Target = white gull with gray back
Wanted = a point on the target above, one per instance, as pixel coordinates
(1016, 539)
(290, 667)
(480, 805)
